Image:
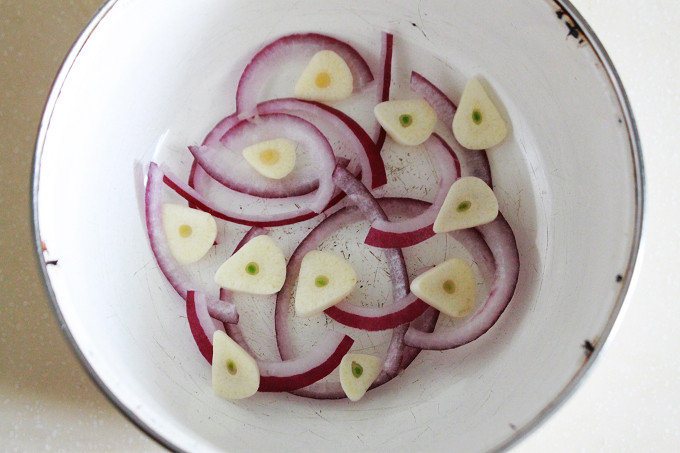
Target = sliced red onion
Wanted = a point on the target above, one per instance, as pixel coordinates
(275, 376)
(408, 207)
(475, 162)
(359, 194)
(403, 311)
(204, 156)
(400, 288)
(290, 375)
(384, 239)
(233, 330)
(226, 164)
(199, 178)
(333, 390)
(198, 201)
(386, 80)
(442, 105)
(410, 307)
(353, 136)
(212, 139)
(297, 373)
(426, 323)
(479, 250)
(221, 128)
(404, 233)
(338, 220)
(270, 127)
(372, 166)
(201, 324)
(315, 237)
(371, 209)
(173, 271)
(469, 238)
(501, 240)
(265, 63)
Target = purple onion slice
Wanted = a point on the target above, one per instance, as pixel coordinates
(294, 374)
(419, 228)
(353, 135)
(275, 376)
(386, 80)
(233, 330)
(402, 311)
(265, 63)
(501, 241)
(325, 118)
(173, 271)
(201, 324)
(198, 201)
(226, 164)
(398, 273)
(475, 162)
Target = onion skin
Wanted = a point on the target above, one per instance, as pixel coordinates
(171, 269)
(259, 70)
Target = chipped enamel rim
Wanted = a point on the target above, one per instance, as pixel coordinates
(577, 27)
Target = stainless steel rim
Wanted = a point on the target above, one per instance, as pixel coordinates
(629, 277)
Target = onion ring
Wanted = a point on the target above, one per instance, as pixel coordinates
(501, 240)
(266, 61)
(224, 311)
(475, 162)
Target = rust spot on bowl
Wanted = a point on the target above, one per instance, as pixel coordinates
(573, 30)
(588, 348)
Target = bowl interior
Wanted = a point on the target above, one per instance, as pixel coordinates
(566, 178)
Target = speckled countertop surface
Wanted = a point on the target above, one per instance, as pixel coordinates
(630, 402)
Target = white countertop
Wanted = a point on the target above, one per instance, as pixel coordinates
(630, 402)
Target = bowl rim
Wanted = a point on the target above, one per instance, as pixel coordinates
(579, 26)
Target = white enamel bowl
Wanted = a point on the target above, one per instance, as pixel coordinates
(148, 77)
